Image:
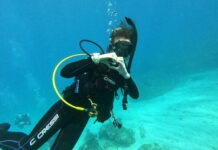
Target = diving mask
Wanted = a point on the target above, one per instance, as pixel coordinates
(122, 47)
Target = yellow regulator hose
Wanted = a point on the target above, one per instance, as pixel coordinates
(54, 82)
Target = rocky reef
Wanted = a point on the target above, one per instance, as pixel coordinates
(152, 146)
(110, 137)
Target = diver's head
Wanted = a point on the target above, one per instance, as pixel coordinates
(121, 41)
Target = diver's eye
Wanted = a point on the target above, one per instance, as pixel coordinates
(123, 45)
(122, 48)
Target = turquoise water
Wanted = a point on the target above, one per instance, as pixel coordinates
(175, 65)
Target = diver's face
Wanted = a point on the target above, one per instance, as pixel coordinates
(122, 48)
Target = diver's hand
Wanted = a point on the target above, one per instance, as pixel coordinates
(98, 58)
(120, 67)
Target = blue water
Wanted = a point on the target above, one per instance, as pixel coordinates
(175, 39)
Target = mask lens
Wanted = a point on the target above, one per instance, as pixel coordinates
(123, 44)
(123, 48)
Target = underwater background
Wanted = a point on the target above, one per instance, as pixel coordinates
(175, 67)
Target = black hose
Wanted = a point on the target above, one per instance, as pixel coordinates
(89, 41)
(131, 23)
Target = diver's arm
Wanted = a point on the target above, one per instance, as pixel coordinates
(78, 67)
(132, 88)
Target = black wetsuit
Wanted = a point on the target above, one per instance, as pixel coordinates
(95, 82)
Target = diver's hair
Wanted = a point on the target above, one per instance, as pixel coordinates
(124, 30)
(110, 48)
(121, 32)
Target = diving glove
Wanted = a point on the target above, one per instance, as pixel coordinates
(113, 62)
(120, 68)
(98, 58)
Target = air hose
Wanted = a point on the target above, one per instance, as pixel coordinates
(55, 87)
(91, 112)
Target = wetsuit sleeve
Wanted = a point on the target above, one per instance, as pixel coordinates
(132, 88)
(78, 67)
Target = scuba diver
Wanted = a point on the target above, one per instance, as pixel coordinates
(96, 81)
(22, 120)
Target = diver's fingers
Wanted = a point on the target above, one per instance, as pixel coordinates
(108, 56)
(117, 67)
